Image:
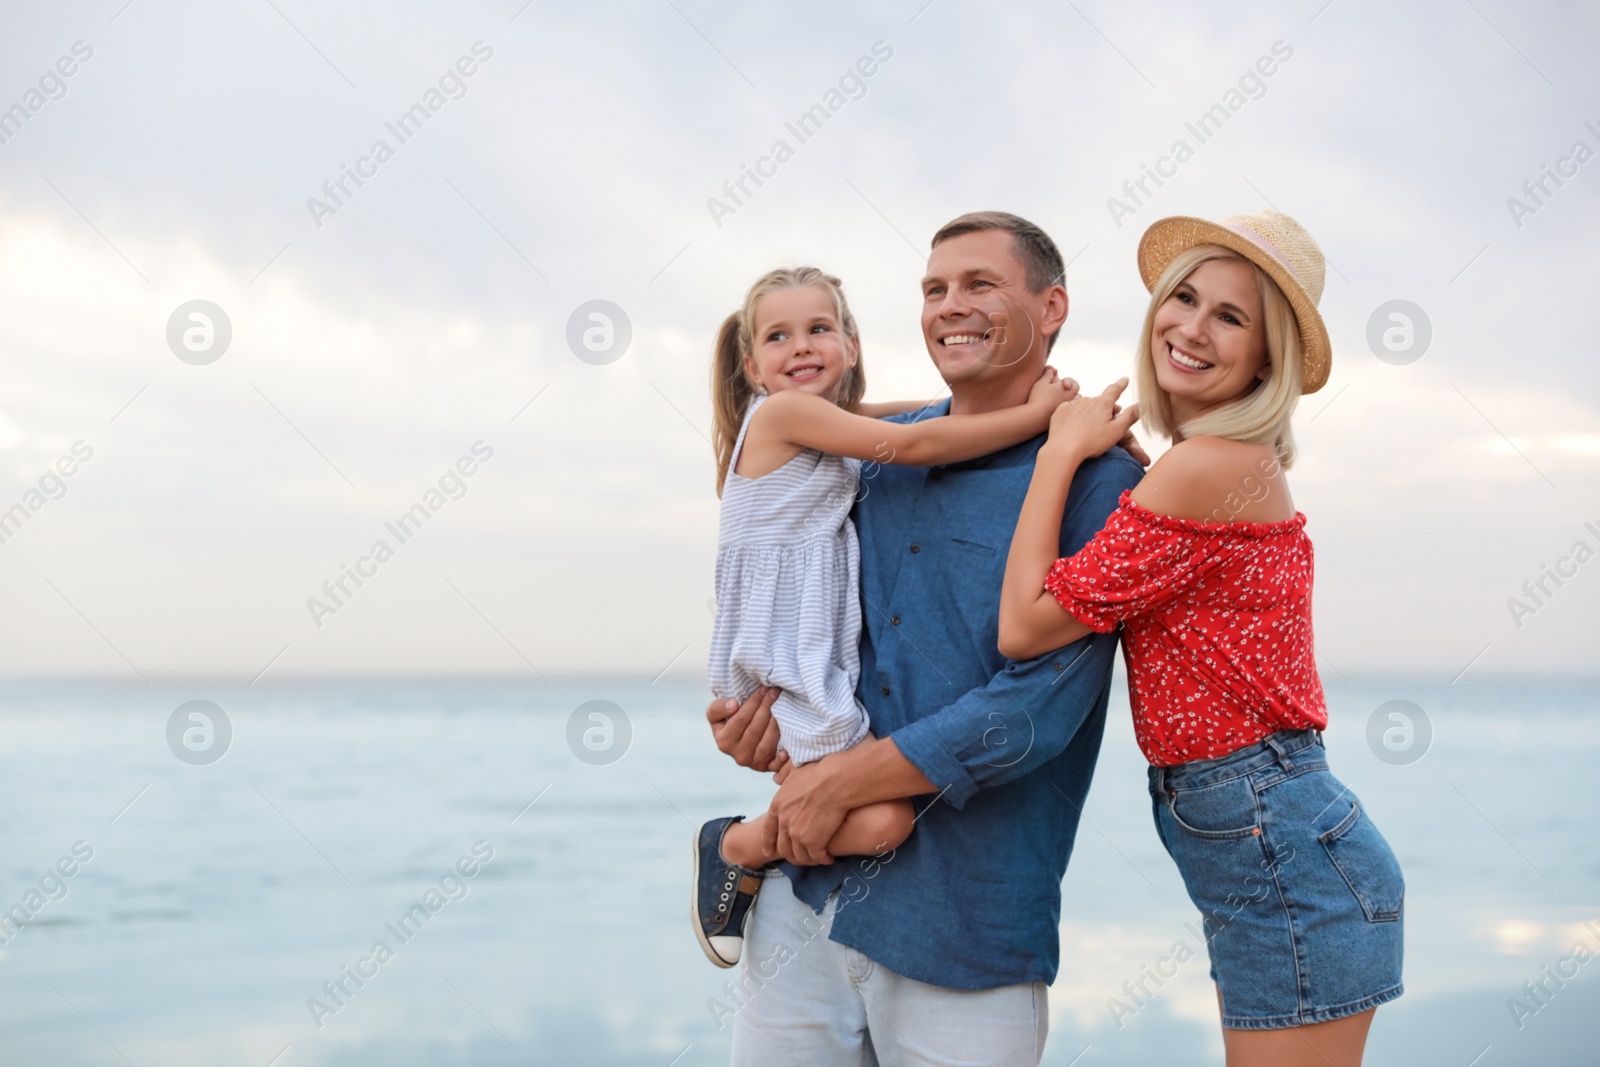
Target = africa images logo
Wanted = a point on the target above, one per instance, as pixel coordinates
(337, 192)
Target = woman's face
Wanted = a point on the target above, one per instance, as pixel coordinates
(1208, 340)
(798, 343)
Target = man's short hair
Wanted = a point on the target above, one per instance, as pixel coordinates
(1037, 253)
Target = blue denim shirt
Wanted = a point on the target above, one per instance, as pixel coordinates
(972, 900)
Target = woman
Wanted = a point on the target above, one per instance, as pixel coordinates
(1207, 566)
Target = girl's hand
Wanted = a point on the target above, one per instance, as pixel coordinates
(1089, 426)
(1051, 391)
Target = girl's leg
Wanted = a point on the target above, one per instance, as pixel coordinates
(741, 844)
(1336, 1044)
(866, 831)
(874, 829)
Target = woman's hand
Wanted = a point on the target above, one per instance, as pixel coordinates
(1090, 425)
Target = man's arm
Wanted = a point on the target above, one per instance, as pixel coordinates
(1025, 716)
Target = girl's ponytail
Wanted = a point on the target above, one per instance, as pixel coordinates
(731, 392)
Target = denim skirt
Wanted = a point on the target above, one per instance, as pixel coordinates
(1300, 896)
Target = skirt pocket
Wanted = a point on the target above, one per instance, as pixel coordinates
(1363, 858)
(1223, 812)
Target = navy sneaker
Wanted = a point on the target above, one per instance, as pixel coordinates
(723, 895)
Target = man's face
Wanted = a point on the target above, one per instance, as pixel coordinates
(979, 320)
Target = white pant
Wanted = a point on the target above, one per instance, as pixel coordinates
(802, 999)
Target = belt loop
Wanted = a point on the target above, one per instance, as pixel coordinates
(1277, 747)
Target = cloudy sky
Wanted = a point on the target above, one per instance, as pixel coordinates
(378, 335)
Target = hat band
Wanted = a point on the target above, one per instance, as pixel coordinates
(1271, 249)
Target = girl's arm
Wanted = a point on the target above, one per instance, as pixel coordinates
(802, 420)
(893, 407)
(1032, 622)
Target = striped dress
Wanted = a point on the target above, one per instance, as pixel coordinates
(789, 598)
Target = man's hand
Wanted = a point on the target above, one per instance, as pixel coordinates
(747, 732)
(804, 817)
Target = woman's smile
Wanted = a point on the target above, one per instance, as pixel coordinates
(1186, 361)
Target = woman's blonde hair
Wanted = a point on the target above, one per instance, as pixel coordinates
(1262, 415)
(731, 388)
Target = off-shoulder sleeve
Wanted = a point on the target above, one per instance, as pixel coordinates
(1138, 562)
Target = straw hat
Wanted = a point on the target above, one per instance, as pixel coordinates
(1275, 243)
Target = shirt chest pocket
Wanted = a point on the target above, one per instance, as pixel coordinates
(964, 548)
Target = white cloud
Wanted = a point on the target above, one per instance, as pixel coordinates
(410, 325)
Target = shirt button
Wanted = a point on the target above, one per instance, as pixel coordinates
(1057, 666)
(916, 548)
(885, 690)
(895, 620)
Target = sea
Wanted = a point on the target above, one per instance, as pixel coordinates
(487, 873)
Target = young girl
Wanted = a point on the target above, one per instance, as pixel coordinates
(791, 433)
(1207, 565)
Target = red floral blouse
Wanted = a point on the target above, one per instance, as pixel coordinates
(1216, 626)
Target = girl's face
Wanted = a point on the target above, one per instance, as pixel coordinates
(798, 343)
(1208, 340)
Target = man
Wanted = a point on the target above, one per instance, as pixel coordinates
(941, 950)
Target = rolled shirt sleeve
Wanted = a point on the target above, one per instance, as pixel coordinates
(1136, 564)
(1024, 717)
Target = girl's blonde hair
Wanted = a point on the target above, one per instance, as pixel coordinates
(731, 388)
(1262, 415)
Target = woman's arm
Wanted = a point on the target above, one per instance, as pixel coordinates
(806, 421)
(1032, 622)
